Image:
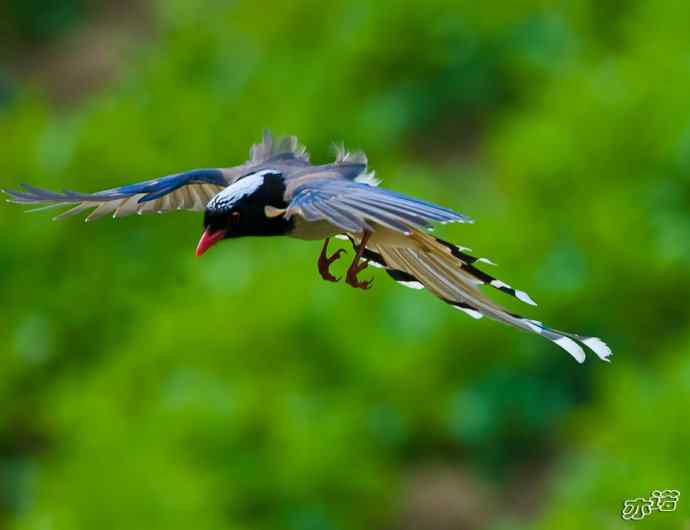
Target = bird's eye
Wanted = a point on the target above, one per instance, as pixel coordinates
(235, 217)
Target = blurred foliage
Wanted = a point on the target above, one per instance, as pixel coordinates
(143, 388)
(41, 20)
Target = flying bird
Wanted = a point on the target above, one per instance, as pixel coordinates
(278, 192)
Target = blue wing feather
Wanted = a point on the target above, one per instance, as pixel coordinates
(152, 189)
(115, 200)
(327, 199)
(156, 188)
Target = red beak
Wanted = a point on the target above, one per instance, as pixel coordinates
(208, 239)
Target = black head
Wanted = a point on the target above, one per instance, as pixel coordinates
(240, 210)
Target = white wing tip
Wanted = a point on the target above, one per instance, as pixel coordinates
(462, 220)
(599, 347)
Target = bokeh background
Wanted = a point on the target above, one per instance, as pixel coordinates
(141, 387)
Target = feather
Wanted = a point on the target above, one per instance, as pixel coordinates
(466, 263)
(343, 156)
(432, 267)
(364, 202)
(79, 208)
(270, 149)
(131, 198)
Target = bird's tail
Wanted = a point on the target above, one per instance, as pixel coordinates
(450, 273)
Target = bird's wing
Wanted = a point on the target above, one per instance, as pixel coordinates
(190, 190)
(183, 191)
(355, 206)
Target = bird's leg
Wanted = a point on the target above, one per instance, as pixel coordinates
(325, 262)
(356, 267)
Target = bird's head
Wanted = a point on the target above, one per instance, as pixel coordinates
(217, 226)
(241, 210)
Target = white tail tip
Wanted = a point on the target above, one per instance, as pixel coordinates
(599, 347)
(572, 348)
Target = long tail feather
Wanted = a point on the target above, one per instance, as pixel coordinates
(448, 272)
(483, 278)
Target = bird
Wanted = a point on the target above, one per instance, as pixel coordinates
(279, 192)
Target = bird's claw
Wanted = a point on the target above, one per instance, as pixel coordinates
(352, 273)
(336, 255)
(325, 262)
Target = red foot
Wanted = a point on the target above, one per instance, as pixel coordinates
(352, 273)
(325, 262)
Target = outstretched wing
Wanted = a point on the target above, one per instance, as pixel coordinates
(190, 190)
(353, 206)
(183, 191)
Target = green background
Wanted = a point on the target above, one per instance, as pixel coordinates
(141, 387)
